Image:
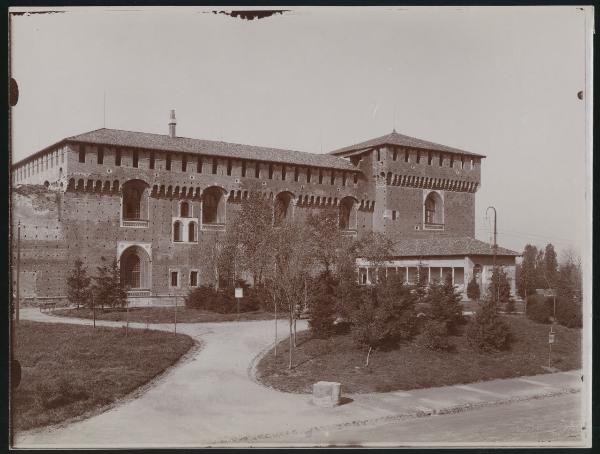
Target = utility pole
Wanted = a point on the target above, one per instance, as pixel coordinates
(495, 248)
(17, 302)
(176, 314)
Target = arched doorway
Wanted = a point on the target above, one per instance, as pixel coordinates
(135, 268)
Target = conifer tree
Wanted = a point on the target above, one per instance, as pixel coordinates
(445, 305)
(473, 290)
(108, 288)
(78, 285)
(322, 307)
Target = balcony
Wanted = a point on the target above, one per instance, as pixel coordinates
(138, 293)
(432, 226)
(214, 227)
(135, 223)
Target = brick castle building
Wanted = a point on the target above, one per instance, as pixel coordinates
(151, 201)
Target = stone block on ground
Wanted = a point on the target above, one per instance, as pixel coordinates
(327, 393)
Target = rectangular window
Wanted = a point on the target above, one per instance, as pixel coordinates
(174, 278)
(378, 155)
(462, 162)
(343, 178)
(308, 175)
(257, 170)
(270, 171)
(283, 173)
(81, 153)
(405, 155)
(320, 176)
(52, 160)
(429, 158)
(193, 278)
(184, 163)
(151, 164)
(199, 164)
(295, 173)
(118, 157)
(136, 158)
(393, 215)
(395, 155)
(243, 168)
(441, 159)
(418, 157)
(215, 163)
(451, 161)
(229, 167)
(355, 178)
(100, 155)
(168, 162)
(332, 180)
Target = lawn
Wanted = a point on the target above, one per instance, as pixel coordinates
(162, 315)
(411, 366)
(70, 370)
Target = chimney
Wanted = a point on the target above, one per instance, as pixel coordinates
(172, 124)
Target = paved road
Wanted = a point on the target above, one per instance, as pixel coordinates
(210, 398)
(554, 420)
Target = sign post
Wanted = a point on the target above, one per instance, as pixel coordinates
(550, 342)
(239, 294)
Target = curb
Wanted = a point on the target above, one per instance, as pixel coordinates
(417, 412)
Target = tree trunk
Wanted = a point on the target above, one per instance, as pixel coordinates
(368, 355)
(291, 340)
(294, 332)
(275, 304)
(291, 345)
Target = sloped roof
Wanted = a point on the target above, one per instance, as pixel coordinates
(117, 137)
(403, 141)
(446, 246)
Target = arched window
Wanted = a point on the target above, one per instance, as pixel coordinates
(135, 200)
(282, 207)
(177, 231)
(184, 210)
(192, 232)
(213, 206)
(345, 212)
(434, 209)
(131, 203)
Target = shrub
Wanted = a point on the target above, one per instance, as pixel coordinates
(435, 336)
(569, 313)
(221, 301)
(539, 308)
(487, 332)
(209, 299)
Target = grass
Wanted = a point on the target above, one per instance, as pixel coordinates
(412, 366)
(70, 370)
(162, 315)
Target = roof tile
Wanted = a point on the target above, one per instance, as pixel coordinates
(117, 137)
(403, 141)
(446, 246)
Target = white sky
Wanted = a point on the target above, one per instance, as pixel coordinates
(502, 82)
